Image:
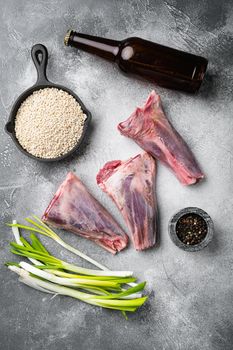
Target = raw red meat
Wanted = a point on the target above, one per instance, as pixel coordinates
(131, 185)
(149, 127)
(74, 209)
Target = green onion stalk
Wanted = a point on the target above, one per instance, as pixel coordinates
(49, 274)
(110, 301)
(40, 227)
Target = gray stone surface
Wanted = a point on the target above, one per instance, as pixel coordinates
(191, 294)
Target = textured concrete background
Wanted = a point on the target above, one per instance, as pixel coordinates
(191, 294)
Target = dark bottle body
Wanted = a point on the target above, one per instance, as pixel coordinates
(165, 66)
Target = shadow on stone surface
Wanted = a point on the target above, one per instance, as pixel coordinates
(214, 246)
(209, 86)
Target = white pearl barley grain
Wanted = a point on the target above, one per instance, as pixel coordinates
(49, 123)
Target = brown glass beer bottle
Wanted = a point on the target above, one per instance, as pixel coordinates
(165, 66)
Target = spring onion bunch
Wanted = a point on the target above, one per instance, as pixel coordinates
(41, 228)
(49, 274)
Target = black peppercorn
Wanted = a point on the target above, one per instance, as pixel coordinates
(191, 229)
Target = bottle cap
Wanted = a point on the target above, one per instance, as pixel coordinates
(67, 37)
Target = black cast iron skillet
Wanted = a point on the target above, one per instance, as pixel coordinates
(40, 58)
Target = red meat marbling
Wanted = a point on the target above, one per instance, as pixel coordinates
(151, 130)
(74, 209)
(131, 185)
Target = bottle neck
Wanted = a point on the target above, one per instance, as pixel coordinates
(102, 47)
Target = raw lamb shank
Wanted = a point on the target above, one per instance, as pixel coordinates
(131, 185)
(74, 209)
(151, 130)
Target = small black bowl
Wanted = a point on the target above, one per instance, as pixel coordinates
(175, 238)
(39, 55)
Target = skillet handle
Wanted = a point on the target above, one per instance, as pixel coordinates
(40, 58)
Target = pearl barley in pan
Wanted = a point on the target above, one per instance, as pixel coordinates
(49, 123)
